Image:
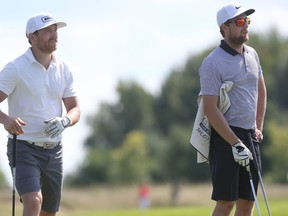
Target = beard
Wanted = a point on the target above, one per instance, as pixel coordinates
(49, 47)
(239, 40)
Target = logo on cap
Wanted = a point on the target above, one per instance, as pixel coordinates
(237, 7)
(46, 19)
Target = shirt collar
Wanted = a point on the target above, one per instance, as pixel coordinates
(32, 59)
(30, 55)
(228, 49)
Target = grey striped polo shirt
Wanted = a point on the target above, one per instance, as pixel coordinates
(225, 64)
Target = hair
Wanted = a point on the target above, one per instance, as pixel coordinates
(35, 33)
(221, 30)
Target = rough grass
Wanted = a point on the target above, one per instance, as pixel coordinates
(193, 200)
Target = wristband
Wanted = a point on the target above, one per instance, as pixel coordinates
(239, 141)
(66, 122)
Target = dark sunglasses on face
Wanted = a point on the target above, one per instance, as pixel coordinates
(241, 22)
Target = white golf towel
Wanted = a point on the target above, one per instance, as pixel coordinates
(200, 138)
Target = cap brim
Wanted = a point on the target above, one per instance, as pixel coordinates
(59, 25)
(249, 12)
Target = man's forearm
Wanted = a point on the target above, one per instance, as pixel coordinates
(74, 115)
(261, 105)
(217, 120)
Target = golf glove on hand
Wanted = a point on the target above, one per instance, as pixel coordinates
(242, 155)
(55, 126)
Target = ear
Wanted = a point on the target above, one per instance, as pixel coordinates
(224, 27)
(31, 37)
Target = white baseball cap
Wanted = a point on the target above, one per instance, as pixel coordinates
(40, 21)
(230, 11)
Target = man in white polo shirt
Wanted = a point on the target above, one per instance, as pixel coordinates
(36, 85)
(230, 157)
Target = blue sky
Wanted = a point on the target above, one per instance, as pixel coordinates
(109, 40)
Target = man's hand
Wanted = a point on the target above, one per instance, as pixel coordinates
(14, 125)
(259, 135)
(55, 126)
(242, 155)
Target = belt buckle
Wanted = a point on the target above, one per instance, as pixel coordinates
(49, 145)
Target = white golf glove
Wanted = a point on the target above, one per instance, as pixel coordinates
(242, 155)
(55, 126)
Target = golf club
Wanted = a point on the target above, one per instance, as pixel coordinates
(14, 172)
(254, 193)
(257, 166)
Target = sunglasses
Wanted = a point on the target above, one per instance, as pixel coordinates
(241, 22)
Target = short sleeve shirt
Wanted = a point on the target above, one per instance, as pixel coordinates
(244, 70)
(35, 94)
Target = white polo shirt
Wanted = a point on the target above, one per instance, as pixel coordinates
(35, 94)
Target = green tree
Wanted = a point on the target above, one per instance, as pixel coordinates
(166, 119)
(130, 163)
(93, 169)
(179, 161)
(272, 49)
(133, 111)
(109, 128)
(176, 103)
(278, 152)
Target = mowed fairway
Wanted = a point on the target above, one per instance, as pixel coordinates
(193, 200)
(278, 208)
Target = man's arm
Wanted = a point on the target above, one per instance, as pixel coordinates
(56, 125)
(73, 109)
(3, 116)
(261, 108)
(11, 124)
(240, 152)
(217, 120)
(3, 96)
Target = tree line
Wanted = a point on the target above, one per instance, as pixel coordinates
(145, 138)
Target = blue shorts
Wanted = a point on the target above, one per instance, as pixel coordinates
(38, 169)
(230, 180)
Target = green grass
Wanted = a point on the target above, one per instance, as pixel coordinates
(278, 208)
(178, 211)
(194, 200)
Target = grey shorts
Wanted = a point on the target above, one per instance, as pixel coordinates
(38, 169)
(230, 180)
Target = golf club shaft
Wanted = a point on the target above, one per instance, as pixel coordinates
(257, 166)
(13, 192)
(254, 194)
(264, 194)
(14, 173)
